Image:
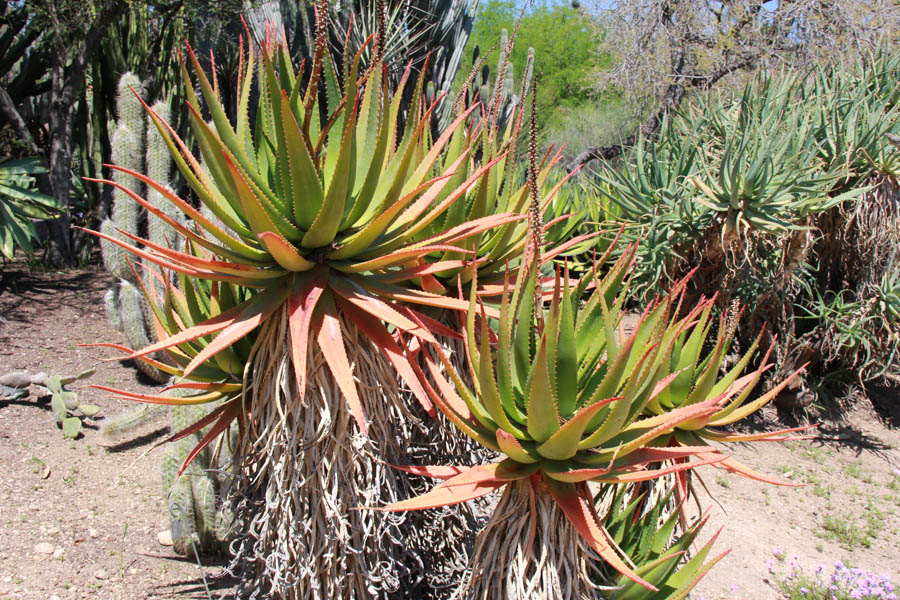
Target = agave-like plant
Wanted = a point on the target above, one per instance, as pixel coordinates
(322, 209)
(567, 400)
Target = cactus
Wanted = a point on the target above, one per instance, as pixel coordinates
(130, 420)
(198, 522)
(136, 145)
(67, 411)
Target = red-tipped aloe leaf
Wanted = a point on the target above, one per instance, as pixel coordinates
(733, 466)
(370, 303)
(327, 329)
(457, 410)
(257, 309)
(220, 426)
(284, 252)
(208, 327)
(156, 399)
(437, 472)
(425, 298)
(472, 483)
(155, 363)
(542, 413)
(201, 423)
(511, 447)
(384, 342)
(563, 444)
(577, 504)
(766, 436)
(301, 304)
(643, 475)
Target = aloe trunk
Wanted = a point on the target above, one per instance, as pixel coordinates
(284, 528)
(529, 550)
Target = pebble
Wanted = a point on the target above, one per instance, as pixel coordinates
(100, 574)
(93, 533)
(44, 548)
(164, 537)
(58, 552)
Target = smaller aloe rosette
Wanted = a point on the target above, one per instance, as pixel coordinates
(641, 522)
(569, 397)
(698, 376)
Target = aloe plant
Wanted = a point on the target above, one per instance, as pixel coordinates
(785, 196)
(317, 255)
(643, 525)
(567, 400)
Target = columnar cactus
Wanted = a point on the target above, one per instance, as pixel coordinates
(137, 146)
(198, 522)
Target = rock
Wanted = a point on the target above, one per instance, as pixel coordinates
(93, 533)
(58, 552)
(164, 537)
(100, 574)
(44, 548)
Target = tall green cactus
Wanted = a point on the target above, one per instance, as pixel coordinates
(136, 145)
(198, 523)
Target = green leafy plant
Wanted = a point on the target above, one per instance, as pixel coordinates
(643, 525)
(20, 204)
(784, 197)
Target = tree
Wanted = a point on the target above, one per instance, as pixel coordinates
(664, 48)
(61, 62)
(68, 35)
(564, 44)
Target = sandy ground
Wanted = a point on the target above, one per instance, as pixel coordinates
(80, 518)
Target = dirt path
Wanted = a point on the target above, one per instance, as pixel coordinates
(79, 519)
(848, 512)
